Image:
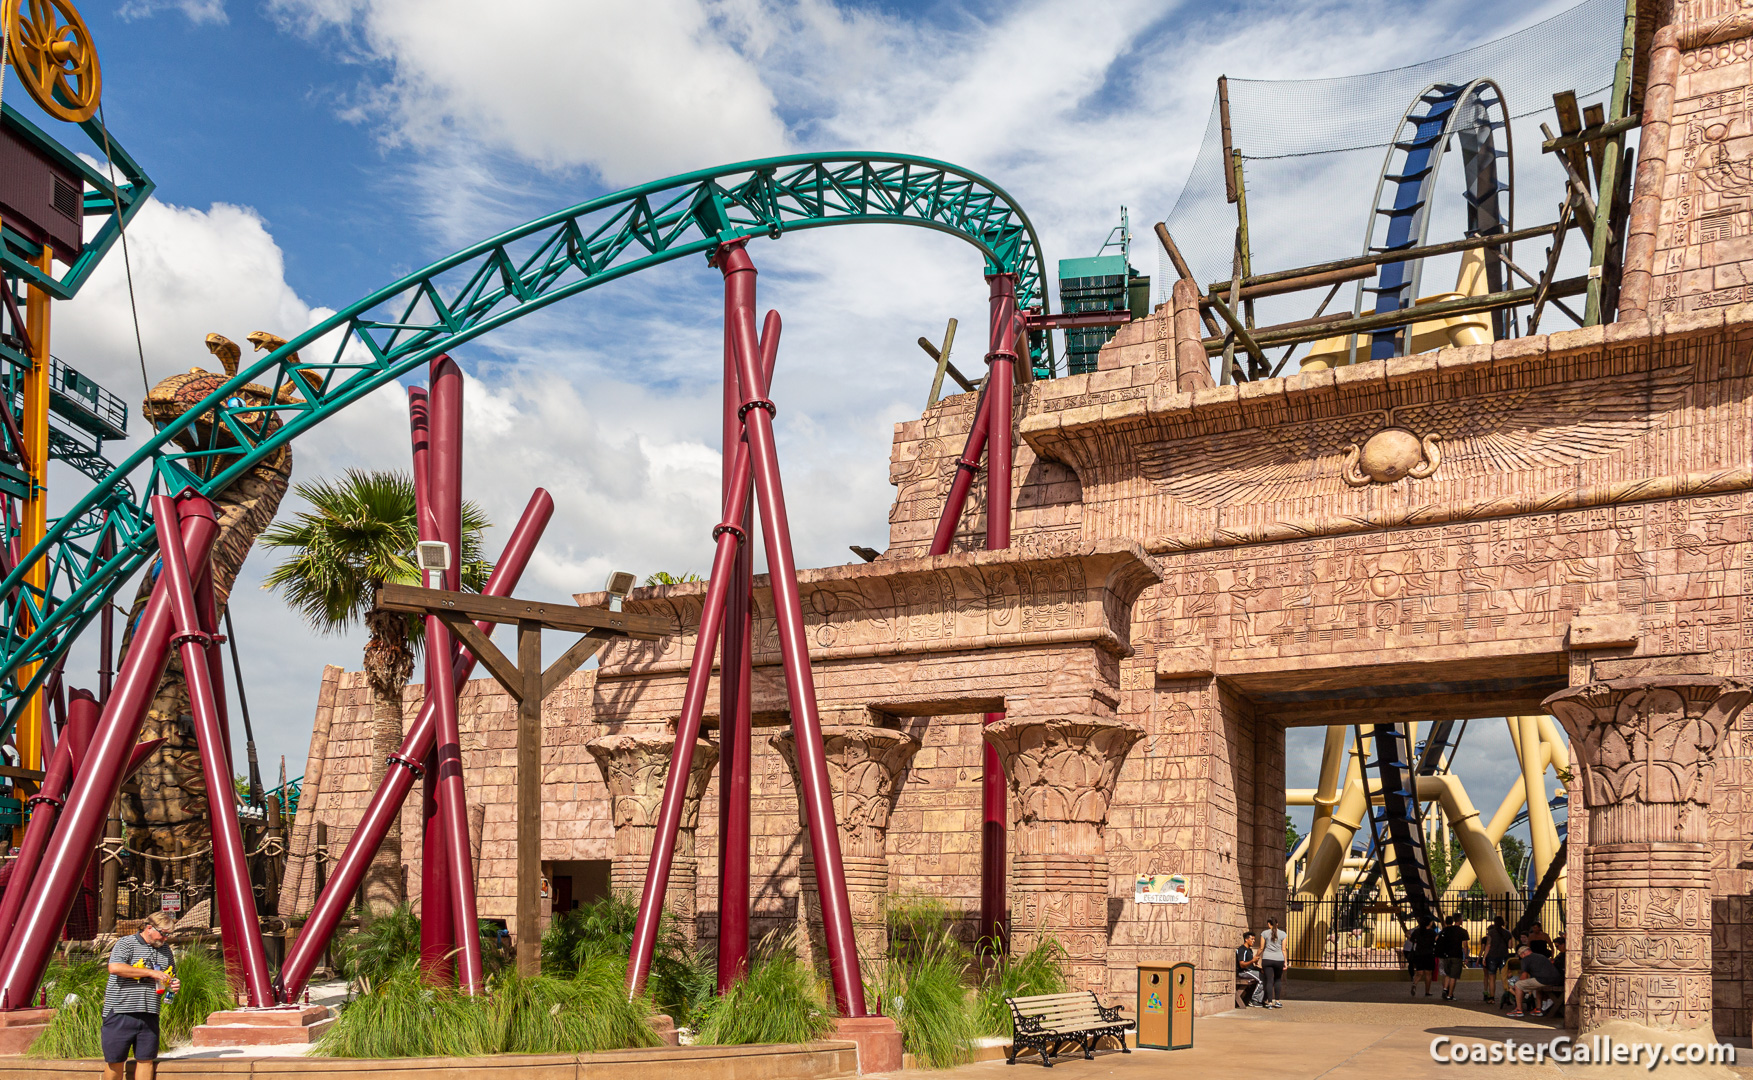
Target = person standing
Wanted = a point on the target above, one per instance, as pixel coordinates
(1495, 955)
(1272, 963)
(1451, 950)
(1423, 942)
(140, 974)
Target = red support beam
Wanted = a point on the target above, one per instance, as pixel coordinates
(736, 678)
(966, 466)
(729, 540)
(437, 941)
(46, 807)
(994, 798)
(94, 787)
(444, 485)
(816, 792)
(398, 779)
(240, 933)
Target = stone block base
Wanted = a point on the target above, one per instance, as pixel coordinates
(295, 1025)
(20, 1027)
(665, 1026)
(878, 1041)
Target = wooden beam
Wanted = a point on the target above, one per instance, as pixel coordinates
(509, 609)
(582, 649)
(1285, 334)
(1592, 134)
(1446, 248)
(1182, 269)
(504, 672)
(1307, 281)
(1241, 332)
(1570, 122)
(943, 361)
(954, 373)
(529, 801)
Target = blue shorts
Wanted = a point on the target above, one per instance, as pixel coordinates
(1494, 964)
(124, 1030)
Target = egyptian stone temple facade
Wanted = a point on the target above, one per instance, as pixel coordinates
(1559, 523)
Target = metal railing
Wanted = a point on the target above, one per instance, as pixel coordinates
(1337, 935)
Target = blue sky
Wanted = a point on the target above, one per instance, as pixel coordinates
(309, 151)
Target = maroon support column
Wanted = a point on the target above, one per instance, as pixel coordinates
(736, 673)
(46, 807)
(241, 934)
(966, 466)
(437, 940)
(994, 795)
(728, 538)
(812, 767)
(94, 787)
(398, 779)
(444, 481)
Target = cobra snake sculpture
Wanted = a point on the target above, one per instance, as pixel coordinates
(167, 819)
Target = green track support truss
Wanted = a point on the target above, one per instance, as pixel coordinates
(457, 299)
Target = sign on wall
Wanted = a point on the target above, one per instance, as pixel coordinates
(1161, 889)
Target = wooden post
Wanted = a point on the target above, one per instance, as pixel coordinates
(529, 800)
(110, 877)
(943, 361)
(1608, 184)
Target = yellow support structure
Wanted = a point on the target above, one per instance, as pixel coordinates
(34, 425)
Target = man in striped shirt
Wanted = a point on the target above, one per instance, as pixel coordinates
(140, 973)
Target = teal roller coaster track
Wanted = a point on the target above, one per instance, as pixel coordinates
(453, 301)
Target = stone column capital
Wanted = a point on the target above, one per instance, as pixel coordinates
(1650, 740)
(865, 765)
(1063, 768)
(635, 765)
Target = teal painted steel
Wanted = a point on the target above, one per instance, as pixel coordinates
(454, 301)
(1095, 266)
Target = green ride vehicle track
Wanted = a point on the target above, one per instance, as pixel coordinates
(455, 300)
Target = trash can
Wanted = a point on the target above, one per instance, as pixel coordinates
(1165, 1006)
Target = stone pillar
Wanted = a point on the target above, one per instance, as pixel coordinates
(1647, 748)
(865, 766)
(1061, 772)
(635, 766)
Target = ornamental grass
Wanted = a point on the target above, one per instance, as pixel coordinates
(780, 1001)
(399, 1016)
(682, 978)
(1041, 970)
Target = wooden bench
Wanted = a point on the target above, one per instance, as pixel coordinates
(1047, 1022)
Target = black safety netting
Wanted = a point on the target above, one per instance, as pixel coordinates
(1314, 149)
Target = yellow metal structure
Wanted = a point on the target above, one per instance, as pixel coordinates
(50, 48)
(34, 520)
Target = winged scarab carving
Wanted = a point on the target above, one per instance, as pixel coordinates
(1467, 436)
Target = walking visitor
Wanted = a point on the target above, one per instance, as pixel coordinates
(1272, 963)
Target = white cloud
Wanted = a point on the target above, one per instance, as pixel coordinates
(197, 11)
(631, 91)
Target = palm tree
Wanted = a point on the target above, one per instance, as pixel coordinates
(359, 534)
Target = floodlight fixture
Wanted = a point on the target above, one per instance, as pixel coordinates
(620, 583)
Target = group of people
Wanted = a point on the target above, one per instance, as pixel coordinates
(1439, 951)
(1260, 968)
(1436, 954)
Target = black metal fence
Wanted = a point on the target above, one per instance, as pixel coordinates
(1342, 936)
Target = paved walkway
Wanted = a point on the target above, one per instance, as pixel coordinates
(1356, 1031)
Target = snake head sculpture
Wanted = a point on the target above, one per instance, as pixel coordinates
(177, 394)
(1390, 454)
